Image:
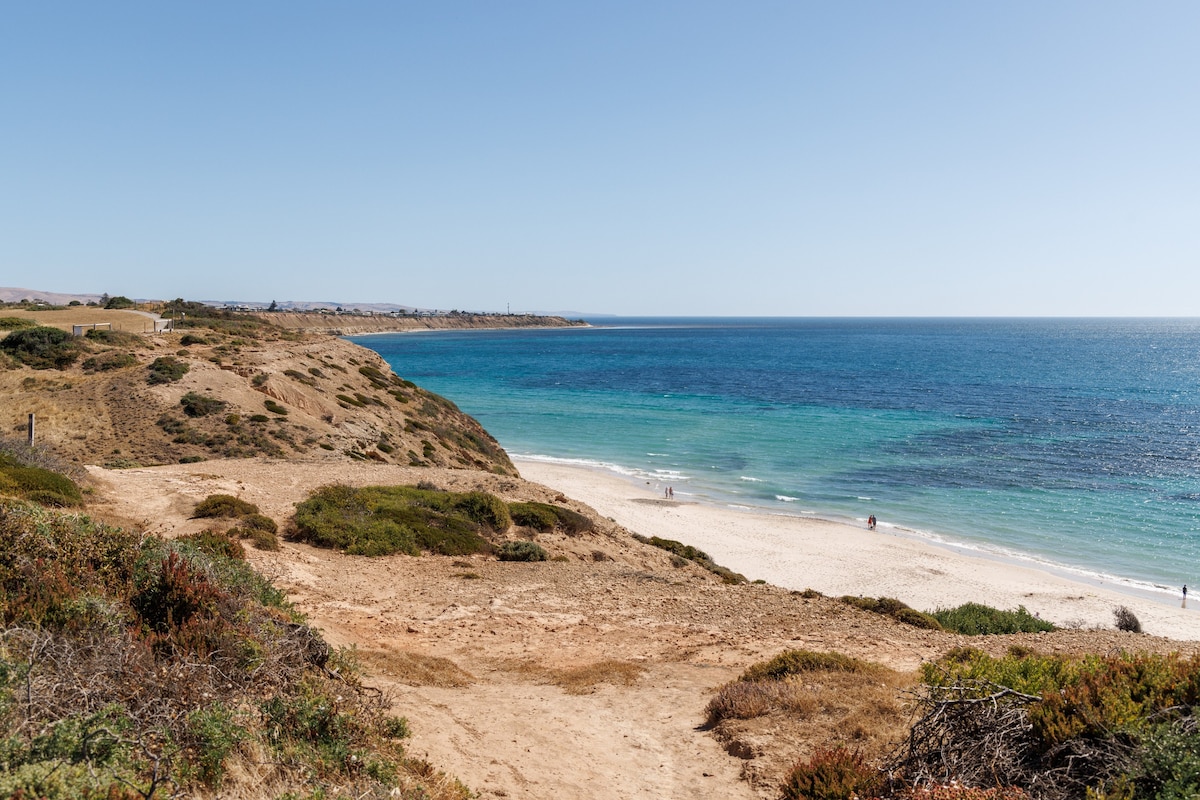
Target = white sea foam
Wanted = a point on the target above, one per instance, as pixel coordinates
(783, 498)
(751, 480)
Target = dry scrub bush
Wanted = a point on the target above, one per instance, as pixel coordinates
(1059, 727)
(831, 774)
(579, 679)
(416, 669)
(750, 699)
(803, 683)
(1126, 620)
(130, 666)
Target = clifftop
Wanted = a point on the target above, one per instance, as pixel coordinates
(238, 388)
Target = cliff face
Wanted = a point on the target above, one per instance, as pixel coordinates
(256, 391)
(350, 324)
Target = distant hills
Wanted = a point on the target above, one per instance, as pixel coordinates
(14, 295)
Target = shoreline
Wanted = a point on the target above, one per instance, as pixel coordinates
(837, 558)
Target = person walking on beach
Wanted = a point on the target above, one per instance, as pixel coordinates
(1184, 596)
(871, 522)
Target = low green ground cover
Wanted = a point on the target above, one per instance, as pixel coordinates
(381, 520)
(32, 474)
(976, 619)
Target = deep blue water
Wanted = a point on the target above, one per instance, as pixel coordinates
(1074, 442)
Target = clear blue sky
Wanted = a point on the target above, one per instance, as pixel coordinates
(643, 157)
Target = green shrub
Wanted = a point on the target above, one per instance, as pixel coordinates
(1168, 763)
(223, 505)
(42, 347)
(275, 408)
(115, 338)
(199, 405)
(831, 774)
(299, 377)
(127, 641)
(258, 522)
(189, 339)
(522, 551)
(37, 484)
(216, 733)
(891, 607)
(260, 539)
(539, 516)
(119, 301)
(165, 369)
(485, 509)
(976, 619)
(216, 544)
(546, 517)
(795, 662)
(380, 520)
(105, 362)
(15, 323)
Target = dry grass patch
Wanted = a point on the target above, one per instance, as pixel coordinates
(580, 679)
(802, 698)
(416, 669)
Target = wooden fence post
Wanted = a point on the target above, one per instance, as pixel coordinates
(31, 429)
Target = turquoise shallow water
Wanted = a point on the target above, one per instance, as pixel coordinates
(1075, 443)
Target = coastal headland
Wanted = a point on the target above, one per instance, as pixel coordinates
(360, 324)
(587, 675)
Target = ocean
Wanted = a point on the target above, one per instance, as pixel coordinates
(1070, 443)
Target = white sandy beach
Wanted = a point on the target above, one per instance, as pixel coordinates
(838, 559)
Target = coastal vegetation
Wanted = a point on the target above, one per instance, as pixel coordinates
(977, 619)
(383, 520)
(1106, 727)
(896, 609)
(522, 550)
(33, 474)
(132, 667)
(260, 529)
(546, 517)
(166, 369)
(42, 347)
